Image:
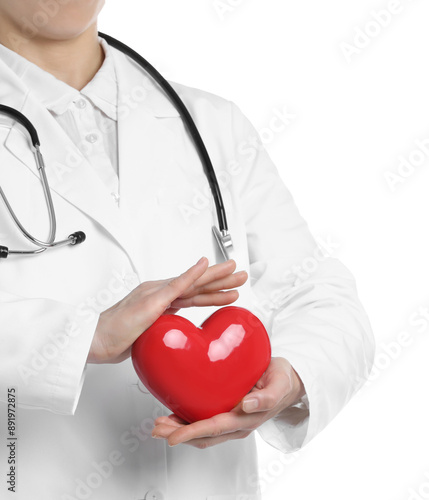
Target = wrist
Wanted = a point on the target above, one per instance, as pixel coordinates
(298, 389)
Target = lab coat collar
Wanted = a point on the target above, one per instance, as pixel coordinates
(13, 92)
(102, 90)
(54, 94)
(142, 89)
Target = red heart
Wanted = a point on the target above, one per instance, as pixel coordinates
(200, 372)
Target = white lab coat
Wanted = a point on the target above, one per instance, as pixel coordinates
(84, 431)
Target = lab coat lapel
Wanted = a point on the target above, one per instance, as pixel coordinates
(69, 173)
(148, 146)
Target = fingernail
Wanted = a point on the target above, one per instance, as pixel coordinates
(250, 404)
(156, 436)
(202, 258)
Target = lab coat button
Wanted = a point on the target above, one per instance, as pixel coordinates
(116, 197)
(91, 138)
(81, 103)
(154, 495)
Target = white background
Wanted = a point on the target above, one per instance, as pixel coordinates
(354, 118)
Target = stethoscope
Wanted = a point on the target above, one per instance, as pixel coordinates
(221, 233)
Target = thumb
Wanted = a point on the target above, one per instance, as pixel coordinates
(270, 395)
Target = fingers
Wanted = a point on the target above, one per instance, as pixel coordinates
(225, 283)
(171, 310)
(173, 420)
(203, 443)
(170, 433)
(213, 273)
(219, 425)
(177, 419)
(208, 299)
(168, 296)
(175, 287)
(207, 290)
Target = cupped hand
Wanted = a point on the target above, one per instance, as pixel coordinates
(278, 388)
(120, 325)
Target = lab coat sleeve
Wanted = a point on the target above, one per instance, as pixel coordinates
(44, 347)
(306, 298)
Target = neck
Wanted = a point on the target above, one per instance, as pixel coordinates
(74, 61)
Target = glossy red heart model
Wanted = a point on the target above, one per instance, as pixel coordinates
(200, 372)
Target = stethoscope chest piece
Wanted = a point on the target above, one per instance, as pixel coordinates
(224, 241)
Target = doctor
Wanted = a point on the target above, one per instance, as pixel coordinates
(122, 169)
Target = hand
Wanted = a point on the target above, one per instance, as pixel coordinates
(120, 325)
(278, 388)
